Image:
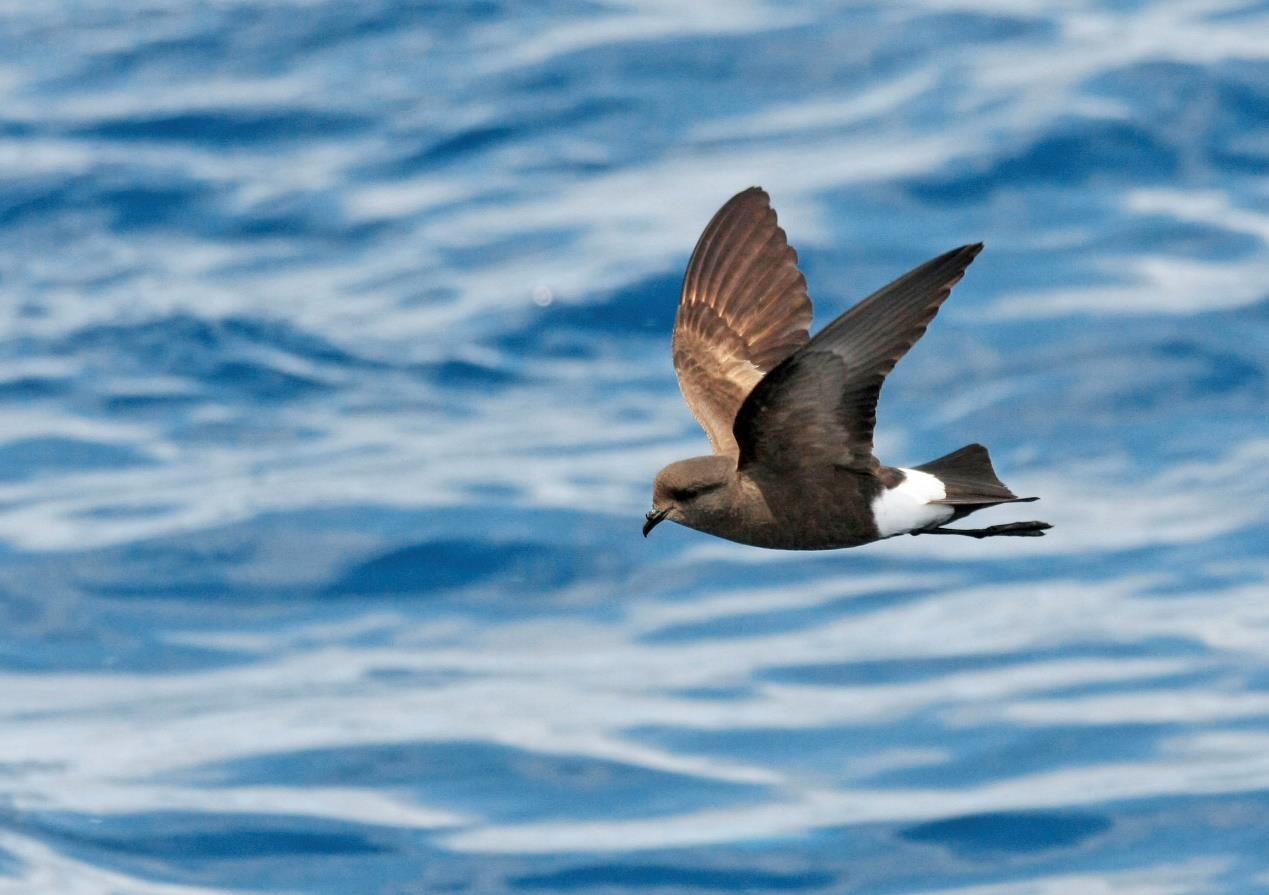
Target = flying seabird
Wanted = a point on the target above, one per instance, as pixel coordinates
(791, 417)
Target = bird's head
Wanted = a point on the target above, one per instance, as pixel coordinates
(690, 491)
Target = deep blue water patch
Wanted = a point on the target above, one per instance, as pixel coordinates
(184, 343)
(32, 457)
(1084, 152)
(1184, 239)
(228, 127)
(469, 144)
(508, 249)
(1222, 371)
(470, 375)
(10, 866)
(1221, 104)
(214, 848)
(979, 835)
(87, 652)
(433, 567)
(235, 359)
(644, 310)
(238, 842)
(1044, 749)
(34, 388)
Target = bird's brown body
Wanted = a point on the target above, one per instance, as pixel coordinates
(766, 510)
(791, 417)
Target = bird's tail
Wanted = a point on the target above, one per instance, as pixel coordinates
(969, 479)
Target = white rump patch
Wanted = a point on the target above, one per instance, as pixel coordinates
(907, 507)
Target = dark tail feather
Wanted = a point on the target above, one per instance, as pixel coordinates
(968, 476)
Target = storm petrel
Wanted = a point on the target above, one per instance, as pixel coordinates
(791, 417)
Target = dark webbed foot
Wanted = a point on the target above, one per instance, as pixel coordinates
(1009, 529)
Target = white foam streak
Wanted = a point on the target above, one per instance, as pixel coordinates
(1158, 284)
(639, 20)
(1189, 878)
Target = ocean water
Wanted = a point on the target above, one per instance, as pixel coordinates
(334, 373)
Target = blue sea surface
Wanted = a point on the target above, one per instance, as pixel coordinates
(334, 373)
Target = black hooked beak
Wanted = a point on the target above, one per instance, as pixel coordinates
(654, 516)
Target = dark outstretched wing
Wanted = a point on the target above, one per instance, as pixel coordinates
(820, 405)
(743, 310)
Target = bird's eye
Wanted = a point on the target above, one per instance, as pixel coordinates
(693, 491)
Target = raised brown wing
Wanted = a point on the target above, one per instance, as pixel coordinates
(820, 405)
(743, 310)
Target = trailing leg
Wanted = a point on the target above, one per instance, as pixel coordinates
(1008, 529)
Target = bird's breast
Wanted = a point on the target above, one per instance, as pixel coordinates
(813, 510)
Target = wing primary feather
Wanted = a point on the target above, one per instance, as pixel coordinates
(865, 342)
(734, 263)
(718, 254)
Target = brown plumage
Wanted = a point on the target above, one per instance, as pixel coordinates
(791, 418)
(743, 309)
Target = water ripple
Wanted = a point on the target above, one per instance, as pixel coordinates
(334, 371)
